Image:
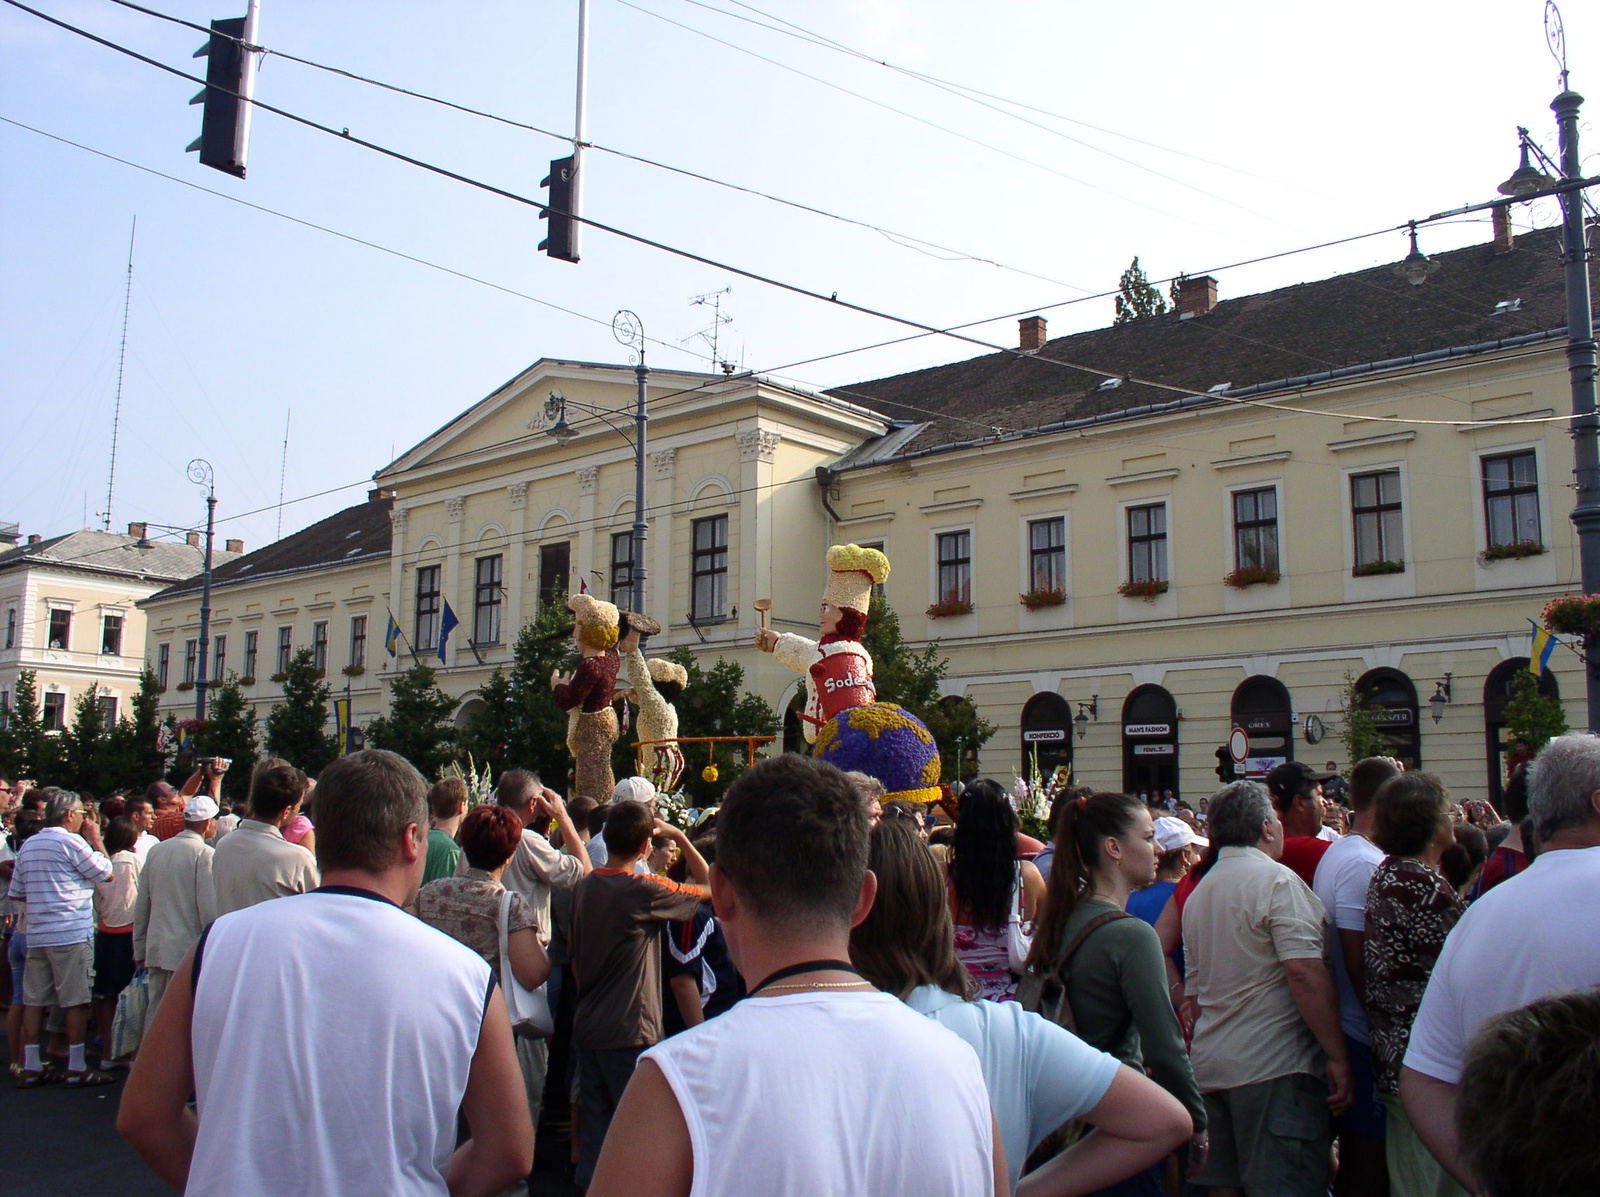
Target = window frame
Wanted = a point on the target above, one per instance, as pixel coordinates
(358, 642)
(11, 627)
(50, 640)
(191, 660)
(1257, 525)
(956, 587)
(1152, 543)
(115, 649)
(1378, 510)
(488, 598)
(704, 565)
(429, 607)
(107, 706)
(1510, 494)
(163, 663)
(57, 721)
(620, 577)
(285, 652)
(319, 646)
(252, 652)
(1054, 553)
(219, 657)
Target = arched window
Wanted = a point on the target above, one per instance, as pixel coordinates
(1261, 706)
(1393, 697)
(1047, 729)
(1150, 742)
(1496, 693)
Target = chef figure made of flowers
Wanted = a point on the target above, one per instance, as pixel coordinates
(836, 668)
(586, 695)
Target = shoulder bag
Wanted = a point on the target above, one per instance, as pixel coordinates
(1019, 930)
(529, 1008)
(1045, 993)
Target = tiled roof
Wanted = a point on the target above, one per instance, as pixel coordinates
(1348, 320)
(356, 534)
(114, 553)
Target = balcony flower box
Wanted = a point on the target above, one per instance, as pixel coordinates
(185, 685)
(1372, 568)
(948, 607)
(1517, 550)
(248, 680)
(353, 670)
(279, 677)
(1573, 614)
(1036, 600)
(1148, 590)
(1251, 575)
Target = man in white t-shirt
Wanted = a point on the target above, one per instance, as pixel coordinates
(816, 1082)
(1533, 935)
(141, 812)
(1342, 877)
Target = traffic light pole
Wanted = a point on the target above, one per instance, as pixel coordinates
(580, 132)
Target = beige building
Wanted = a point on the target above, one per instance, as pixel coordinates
(70, 606)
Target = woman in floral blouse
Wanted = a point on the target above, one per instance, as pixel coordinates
(1411, 907)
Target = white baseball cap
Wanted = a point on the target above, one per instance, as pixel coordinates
(199, 808)
(1172, 834)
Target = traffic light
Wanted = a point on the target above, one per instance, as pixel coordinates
(230, 73)
(559, 241)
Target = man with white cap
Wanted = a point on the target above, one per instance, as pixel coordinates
(177, 896)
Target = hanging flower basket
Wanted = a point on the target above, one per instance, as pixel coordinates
(1251, 575)
(1146, 590)
(1035, 600)
(1573, 614)
(1372, 568)
(1515, 551)
(949, 607)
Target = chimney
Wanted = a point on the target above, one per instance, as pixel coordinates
(34, 538)
(1196, 296)
(235, 546)
(194, 539)
(380, 492)
(1031, 332)
(138, 531)
(10, 534)
(1504, 238)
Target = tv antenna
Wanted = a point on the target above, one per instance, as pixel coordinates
(712, 335)
(122, 362)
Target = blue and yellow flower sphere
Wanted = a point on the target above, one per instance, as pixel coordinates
(884, 741)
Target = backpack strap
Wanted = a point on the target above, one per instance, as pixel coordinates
(1088, 929)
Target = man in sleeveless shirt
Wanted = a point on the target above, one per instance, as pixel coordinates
(329, 1037)
(816, 1082)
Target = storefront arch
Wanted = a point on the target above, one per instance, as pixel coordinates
(1047, 728)
(1262, 707)
(1150, 742)
(1393, 697)
(1496, 693)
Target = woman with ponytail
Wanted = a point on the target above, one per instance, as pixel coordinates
(1116, 979)
(987, 882)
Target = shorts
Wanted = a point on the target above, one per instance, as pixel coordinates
(1270, 1137)
(113, 962)
(1366, 1114)
(17, 958)
(58, 976)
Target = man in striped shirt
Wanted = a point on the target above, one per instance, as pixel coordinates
(55, 874)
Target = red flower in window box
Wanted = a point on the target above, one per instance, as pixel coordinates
(1251, 575)
(1573, 614)
(948, 607)
(1515, 551)
(1034, 600)
(1146, 590)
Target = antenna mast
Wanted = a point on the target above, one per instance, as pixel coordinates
(283, 472)
(711, 336)
(122, 361)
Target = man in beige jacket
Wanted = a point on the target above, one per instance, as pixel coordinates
(177, 897)
(254, 862)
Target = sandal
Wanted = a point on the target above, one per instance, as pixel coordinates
(87, 1078)
(33, 1078)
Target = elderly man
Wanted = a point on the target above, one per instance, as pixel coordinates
(1536, 934)
(177, 897)
(55, 874)
(1269, 1029)
(254, 863)
(249, 1019)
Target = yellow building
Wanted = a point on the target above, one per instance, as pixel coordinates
(71, 610)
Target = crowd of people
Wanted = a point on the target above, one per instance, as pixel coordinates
(1366, 987)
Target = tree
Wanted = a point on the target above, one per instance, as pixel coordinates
(713, 703)
(146, 761)
(490, 730)
(1138, 298)
(538, 739)
(1176, 289)
(296, 727)
(418, 724)
(1531, 716)
(33, 755)
(1359, 731)
(911, 679)
(84, 744)
(230, 731)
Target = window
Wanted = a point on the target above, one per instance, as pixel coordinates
(60, 628)
(55, 711)
(708, 596)
(877, 587)
(11, 627)
(1511, 498)
(486, 597)
(1375, 507)
(622, 568)
(219, 657)
(319, 646)
(252, 647)
(1147, 543)
(1047, 554)
(427, 608)
(285, 649)
(108, 711)
(555, 563)
(955, 566)
(111, 636)
(358, 642)
(191, 659)
(163, 663)
(1255, 529)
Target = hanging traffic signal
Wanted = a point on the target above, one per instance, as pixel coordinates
(230, 74)
(559, 241)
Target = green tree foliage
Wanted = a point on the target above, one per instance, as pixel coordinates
(538, 728)
(490, 729)
(1359, 729)
(84, 743)
(713, 703)
(1176, 288)
(141, 729)
(230, 732)
(23, 738)
(1531, 716)
(418, 724)
(297, 726)
(1139, 297)
(911, 678)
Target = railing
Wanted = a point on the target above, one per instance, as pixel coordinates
(749, 742)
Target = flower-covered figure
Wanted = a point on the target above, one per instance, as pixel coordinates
(586, 695)
(655, 685)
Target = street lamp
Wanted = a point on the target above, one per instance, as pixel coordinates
(1086, 711)
(1417, 266)
(1440, 699)
(202, 475)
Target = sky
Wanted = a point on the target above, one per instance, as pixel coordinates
(1194, 136)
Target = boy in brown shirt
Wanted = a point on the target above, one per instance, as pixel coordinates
(616, 963)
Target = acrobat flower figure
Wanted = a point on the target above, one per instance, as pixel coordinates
(837, 668)
(656, 685)
(586, 695)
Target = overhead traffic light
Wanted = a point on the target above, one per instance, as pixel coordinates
(560, 240)
(230, 74)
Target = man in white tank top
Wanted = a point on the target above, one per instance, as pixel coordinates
(815, 1084)
(329, 1037)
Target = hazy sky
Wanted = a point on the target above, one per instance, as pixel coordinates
(1226, 131)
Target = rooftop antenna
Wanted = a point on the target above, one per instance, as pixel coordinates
(712, 300)
(122, 361)
(283, 471)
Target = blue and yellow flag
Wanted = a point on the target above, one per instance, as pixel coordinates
(341, 718)
(447, 624)
(1539, 654)
(391, 638)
